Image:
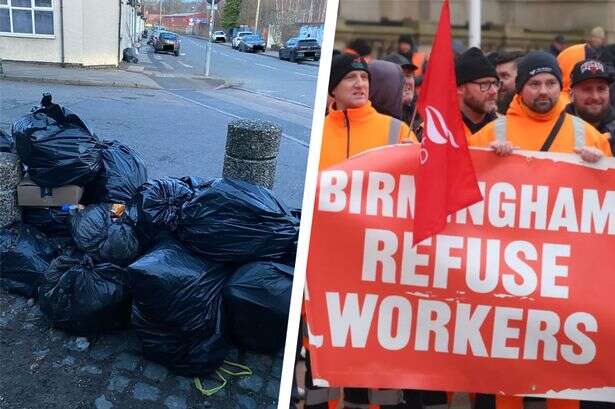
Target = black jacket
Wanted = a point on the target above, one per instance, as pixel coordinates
(607, 124)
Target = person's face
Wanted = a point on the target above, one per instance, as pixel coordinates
(596, 42)
(508, 74)
(404, 47)
(352, 91)
(591, 99)
(480, 101)
(541, 92)
(408, 94)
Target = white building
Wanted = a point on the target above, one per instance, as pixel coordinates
(80, 32)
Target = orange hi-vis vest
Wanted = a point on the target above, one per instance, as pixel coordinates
(355, 130)
(528, 130)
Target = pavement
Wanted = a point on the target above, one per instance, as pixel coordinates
(44, 368)
(124, 77)
(50, 73)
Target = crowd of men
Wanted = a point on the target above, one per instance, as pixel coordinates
(558, 100)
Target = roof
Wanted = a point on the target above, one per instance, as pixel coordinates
(183, 14)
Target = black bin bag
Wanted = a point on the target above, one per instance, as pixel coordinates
(52, 221)
(121, 174)
(235, 221)
(159, 201)
(177, 309)
(257, 298)
(57, 146)
(82, 297)
(25, 254)
(95, 232)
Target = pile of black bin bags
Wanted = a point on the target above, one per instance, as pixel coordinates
(193, 265)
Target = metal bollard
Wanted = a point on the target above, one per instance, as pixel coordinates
(252, 148)
(10, 176)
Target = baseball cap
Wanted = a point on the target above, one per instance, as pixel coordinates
(400, 60)
(589, 69)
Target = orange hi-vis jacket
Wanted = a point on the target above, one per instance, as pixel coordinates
(528, 130)
(566, 60)
(354, 130)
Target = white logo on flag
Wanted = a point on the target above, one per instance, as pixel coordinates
(434, 135)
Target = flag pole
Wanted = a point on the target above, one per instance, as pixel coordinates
(474, 19)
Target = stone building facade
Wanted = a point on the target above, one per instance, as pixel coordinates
(506, 24)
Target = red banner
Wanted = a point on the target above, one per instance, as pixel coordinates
(514, 296)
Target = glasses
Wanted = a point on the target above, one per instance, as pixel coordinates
(484, 86)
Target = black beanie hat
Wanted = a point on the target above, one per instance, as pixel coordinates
(534, 63)
(472, 65)
(342, 64)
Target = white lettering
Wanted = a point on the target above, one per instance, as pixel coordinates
(411, 259)
(379, 246)
(536, 333)
(379, 188)
(388, 306)
(585, 343)
(564, 213)
(502, 213)
(537, 207)
(332, 197)
(502, 332)
(473, 266)
(444, 261)
(550, 270)
(600, 217)
(432, 316)
(356, 192)
(528, 275)
(467, 329)
(350, 319)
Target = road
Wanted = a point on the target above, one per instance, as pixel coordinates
(254, 72)
(178, 130)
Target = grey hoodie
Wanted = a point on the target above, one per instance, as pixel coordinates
(386, 88)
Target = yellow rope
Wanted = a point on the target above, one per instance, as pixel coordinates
(209, 392)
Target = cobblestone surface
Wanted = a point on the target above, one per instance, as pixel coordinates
(44, 368)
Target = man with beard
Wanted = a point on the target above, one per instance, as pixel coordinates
(589, 94)
(477, 89)
(506, 67)
(536, 119)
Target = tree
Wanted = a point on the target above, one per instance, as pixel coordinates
(230, 13)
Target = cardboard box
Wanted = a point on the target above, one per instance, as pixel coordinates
(30, 194)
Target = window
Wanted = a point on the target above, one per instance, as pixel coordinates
(23, 17)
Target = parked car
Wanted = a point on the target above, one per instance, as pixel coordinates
(253, 43)
(167, 42)
(232, 32)
(153, 34)
(219, 36)
(299, 49)
(239, 36)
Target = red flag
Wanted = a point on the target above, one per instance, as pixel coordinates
(446, 181)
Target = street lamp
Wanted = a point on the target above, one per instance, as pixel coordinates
(211, 28)
(258, 7)
(160, 15)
